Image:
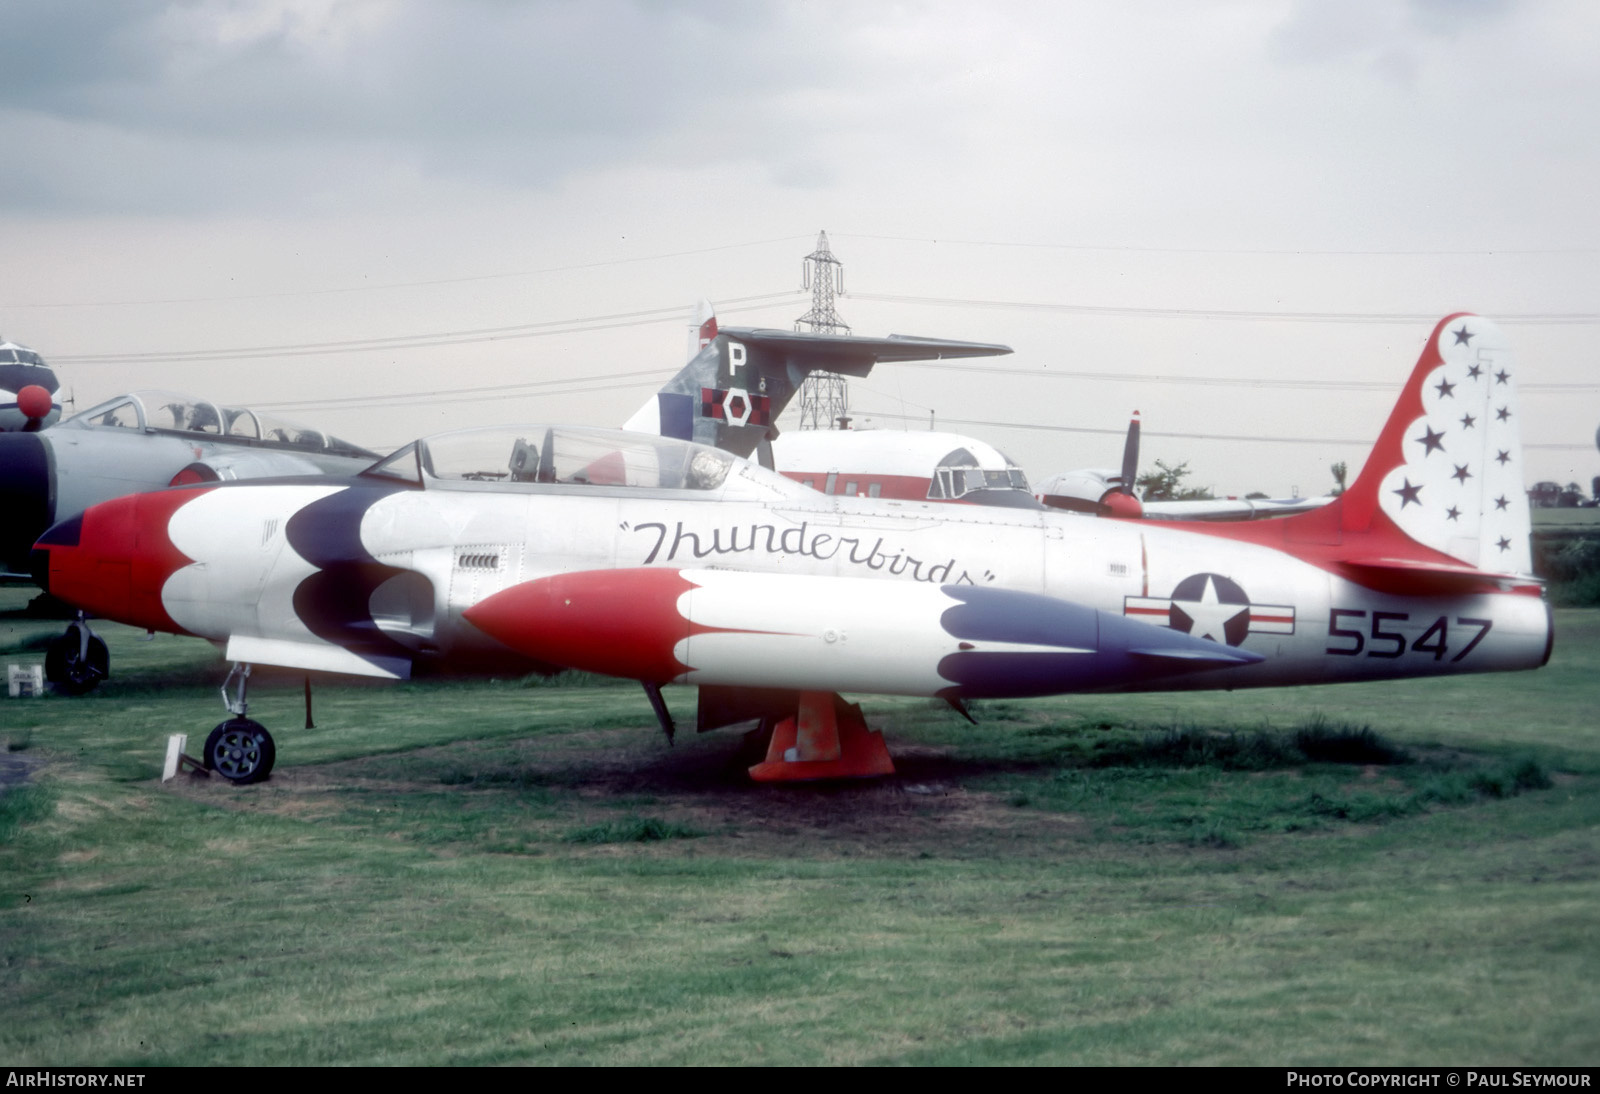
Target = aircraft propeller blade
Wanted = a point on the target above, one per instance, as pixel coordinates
(1130, 456)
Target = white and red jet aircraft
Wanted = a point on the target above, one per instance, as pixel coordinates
(665, 561)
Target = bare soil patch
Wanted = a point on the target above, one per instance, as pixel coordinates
(702, 784)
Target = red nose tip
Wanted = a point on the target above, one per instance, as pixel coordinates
(113, 560)
(34, 402)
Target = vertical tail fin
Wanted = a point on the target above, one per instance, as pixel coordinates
(1439, 504)
(1447, 468)
(670, 413)
(705, 317)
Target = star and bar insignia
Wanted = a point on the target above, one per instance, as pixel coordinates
(1211, 606)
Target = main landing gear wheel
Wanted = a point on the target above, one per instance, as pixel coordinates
(77, 661)
(241, 751)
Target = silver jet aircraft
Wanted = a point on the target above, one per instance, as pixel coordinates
(665, 561)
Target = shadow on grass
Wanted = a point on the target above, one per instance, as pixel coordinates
(1220, 786)
(632, 829)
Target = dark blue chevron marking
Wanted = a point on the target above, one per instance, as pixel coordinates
(335, 602)
(1117, 651)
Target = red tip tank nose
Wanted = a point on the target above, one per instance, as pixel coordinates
(618, 622)
(114, 558)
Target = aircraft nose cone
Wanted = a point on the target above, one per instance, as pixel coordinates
(34, 402)
(1123, 506)
(86, 560)
(114, 558)
(25, 502)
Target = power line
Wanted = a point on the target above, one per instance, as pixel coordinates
(469, 394)
(431, 398)
(892, 395)
(1123, 248)
(410, 284)
(1212, 381)
(1548, 318)
(647, 316)
(569, 267)
(1230, 437)
(430, 340)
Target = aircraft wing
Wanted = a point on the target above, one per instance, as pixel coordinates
(855, 356)
(1232, 508)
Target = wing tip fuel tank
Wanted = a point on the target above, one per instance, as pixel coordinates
(617, 622)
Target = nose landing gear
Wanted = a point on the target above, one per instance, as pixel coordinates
(240, 750)
(77, 661)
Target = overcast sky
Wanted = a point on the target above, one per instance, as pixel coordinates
(520, 194)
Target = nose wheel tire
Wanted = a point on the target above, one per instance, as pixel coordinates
(75, 666)
(241, 751)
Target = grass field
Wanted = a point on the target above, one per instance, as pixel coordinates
(495, 872)
(1566, 520)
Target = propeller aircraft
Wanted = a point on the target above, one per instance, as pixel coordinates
(1106, 493)
(28, 389)
(664, 561)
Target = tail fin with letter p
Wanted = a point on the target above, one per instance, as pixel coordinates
(732, 391)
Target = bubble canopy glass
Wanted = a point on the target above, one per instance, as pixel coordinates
(171, 412)
(536, 455)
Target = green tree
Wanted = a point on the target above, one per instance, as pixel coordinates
(1166, 484)
(1341, 471)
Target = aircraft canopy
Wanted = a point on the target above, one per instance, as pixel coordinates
(13, 354)
(959, 474)
(551, 455)
(170, 412)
